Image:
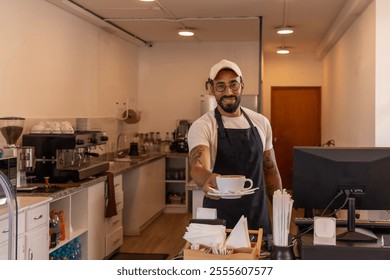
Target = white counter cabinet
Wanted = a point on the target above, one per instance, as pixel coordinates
(86, 226)
(75, 214)
(21, 236)
(144, 195)
(114, 224)
(33, 230)
(84, 216)
(37, 233)
(96, 222)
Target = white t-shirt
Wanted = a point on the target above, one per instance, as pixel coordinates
(204, 131)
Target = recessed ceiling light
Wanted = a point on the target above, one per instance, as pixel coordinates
(283, 50)
(285, 30)
(186, 32)
(147, 0)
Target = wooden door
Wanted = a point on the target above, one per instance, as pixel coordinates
(296, 121)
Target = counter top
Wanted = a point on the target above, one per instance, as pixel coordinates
(66, 188)
(192, 186)
(116, 167)
(24, 202)
(119, 167)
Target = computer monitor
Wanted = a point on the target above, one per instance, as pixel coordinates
(361, 175)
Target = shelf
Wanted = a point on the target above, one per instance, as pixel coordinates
(75, 214)
(72, 236)
(175, 208)
(175, 205)
(176, 181)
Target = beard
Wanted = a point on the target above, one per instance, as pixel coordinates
(229, 108)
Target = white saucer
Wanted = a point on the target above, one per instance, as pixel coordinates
(232, 195)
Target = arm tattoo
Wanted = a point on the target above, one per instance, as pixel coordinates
(271, 173)
(269, 160)
(195, 155)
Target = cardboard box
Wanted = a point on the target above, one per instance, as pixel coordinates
(252, 253)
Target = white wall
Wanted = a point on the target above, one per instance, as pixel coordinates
(348, 94)
(382, 84)
(289, 70)
(56, 65)
(173, 76)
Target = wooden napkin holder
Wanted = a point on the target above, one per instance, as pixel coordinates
(204, 253)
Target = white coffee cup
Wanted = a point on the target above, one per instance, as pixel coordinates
(232, 183)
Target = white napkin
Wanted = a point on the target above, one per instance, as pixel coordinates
(239, 237)
(204, 234)
(206, 213)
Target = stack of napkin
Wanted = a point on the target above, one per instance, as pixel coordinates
(204, 234)
(215, 235)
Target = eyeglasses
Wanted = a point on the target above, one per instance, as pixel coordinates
(221, 87)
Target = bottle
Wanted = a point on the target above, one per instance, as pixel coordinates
(158, 139)
(146, 139)
(147, 143)
(62, 224)
(152, 140)
(167, 137)
(54, 229)
(77, 247)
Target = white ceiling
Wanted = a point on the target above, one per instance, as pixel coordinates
(317, 23)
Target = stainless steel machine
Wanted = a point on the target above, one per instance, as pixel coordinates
(11, 129)
(180, 143)
(66, 157)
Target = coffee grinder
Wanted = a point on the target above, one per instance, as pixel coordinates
(180, 144)
(11, 129)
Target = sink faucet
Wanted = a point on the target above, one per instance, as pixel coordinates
(117, 143)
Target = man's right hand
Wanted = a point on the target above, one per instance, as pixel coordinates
(211, 182)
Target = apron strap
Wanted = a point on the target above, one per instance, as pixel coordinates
(250, 123)
(221, 128)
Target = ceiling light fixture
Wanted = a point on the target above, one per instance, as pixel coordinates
(283, 50)
(285, 29)
(147, 0)
(186, 32)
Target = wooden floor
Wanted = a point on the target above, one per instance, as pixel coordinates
(163, 235)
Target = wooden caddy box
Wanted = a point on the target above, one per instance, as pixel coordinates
(252, 253)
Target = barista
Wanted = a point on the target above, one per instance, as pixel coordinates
(232, 140)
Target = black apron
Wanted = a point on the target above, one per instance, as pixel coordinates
(240, 152)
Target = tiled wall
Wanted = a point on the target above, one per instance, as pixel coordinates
(111, 126)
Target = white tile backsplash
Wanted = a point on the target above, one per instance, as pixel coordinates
(111, 126)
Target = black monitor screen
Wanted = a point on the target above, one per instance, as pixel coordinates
(319, 173)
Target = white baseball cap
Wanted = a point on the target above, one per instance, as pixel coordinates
(224, 64)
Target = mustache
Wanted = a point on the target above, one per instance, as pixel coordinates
(228, 97)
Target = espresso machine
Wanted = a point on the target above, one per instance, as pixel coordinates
(66, 157)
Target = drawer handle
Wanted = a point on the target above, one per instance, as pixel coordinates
(5, 231)
(30, 254)
(114, 223)
(116, 241)
(39, 217)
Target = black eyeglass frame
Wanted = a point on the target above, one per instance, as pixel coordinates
(211, 82)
